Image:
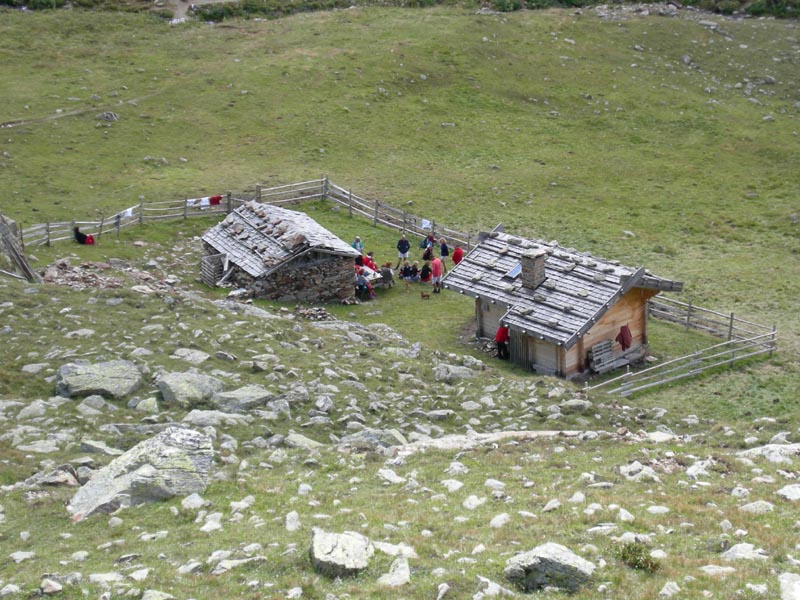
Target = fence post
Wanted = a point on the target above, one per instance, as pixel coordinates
(258, 192)
(404, 221)
(141, 211)
(47, 232)
(229, 203)
(375, 214)
(689, 315)
(185, 209)
(350, 203)
(773, 341)
(118, 223)
(324, 187)
(102, 222)
(730, 328)
(21, 237)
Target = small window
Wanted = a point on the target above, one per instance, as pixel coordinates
(514, 273)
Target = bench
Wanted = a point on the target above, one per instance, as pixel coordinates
(603, 359)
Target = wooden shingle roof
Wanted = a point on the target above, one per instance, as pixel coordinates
(258, 238)
(578, 289)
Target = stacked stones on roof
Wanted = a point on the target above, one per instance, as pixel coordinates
(281, 255)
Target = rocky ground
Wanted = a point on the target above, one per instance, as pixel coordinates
(160, 443)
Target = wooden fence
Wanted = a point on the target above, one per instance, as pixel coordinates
(725, 353)
(293, 193)
(383, 214)
(721, 325)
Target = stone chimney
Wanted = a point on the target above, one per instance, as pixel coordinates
(533, 268)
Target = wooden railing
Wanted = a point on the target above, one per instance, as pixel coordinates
(722, 325)
(725, 353)
(378, 212)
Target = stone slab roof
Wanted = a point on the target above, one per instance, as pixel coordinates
(579, 288)
(259, 238)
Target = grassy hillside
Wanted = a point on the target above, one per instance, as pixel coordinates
(665, 142)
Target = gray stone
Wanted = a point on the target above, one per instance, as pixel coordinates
(759, 507)
(451, 373)
(339, 554)
(188, 390)
(227, 564)
(744, 552)
(575, 405)
(550, 564)
(670, 589)
(95, 446)
(717, 571)
(776, 453)
(112, 379)
(39, 447)
(156, 595)
(295, 440)
(292, 521)
(373, 439)
(638, 472)
(35, 409)
(399, 574)
(790, 586)
(190, 355)
(21, 556)
(176, 462)
(790, 492)
(215, 418)
(241, 400)
(50, 586)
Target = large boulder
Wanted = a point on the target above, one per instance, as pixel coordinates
(550, 564)
(339, 554)
(112, 379)
(176, 462)
(188, 390)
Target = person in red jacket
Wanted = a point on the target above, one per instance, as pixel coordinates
(501, 339)
(458, 254)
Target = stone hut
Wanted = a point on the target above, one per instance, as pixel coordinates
(567, 311)
(278, 254)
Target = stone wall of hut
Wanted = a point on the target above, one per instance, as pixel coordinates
(310, 278)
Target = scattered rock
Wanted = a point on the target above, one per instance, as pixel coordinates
(550, 564)
(175, 462)
(112, 379)
(339, 554)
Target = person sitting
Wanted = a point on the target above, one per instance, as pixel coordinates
(358, 244)
(363, 286)
(425, 273)
(387, 275)
(369, 261)
(428, 253)
(82, 238)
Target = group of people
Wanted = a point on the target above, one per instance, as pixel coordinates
(433, 267)
(431, 272)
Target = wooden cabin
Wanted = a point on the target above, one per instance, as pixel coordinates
(278, 254)
(568, 312)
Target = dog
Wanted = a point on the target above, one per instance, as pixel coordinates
(424, 295)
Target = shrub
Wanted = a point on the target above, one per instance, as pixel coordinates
(637, 556)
